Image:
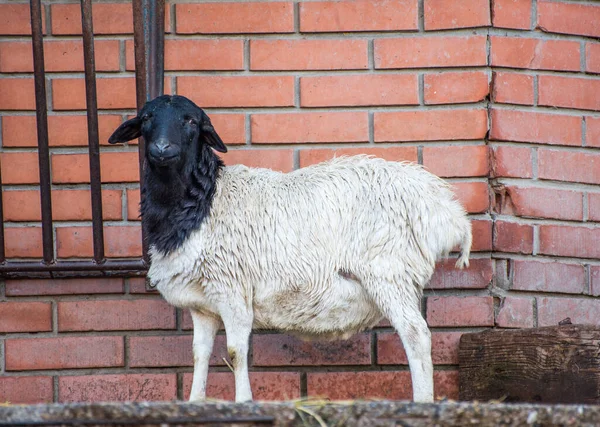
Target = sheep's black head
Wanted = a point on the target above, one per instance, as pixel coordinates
(173, 128)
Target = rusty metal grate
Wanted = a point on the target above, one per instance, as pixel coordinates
(148, 17)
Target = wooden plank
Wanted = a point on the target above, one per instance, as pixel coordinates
(557, 364)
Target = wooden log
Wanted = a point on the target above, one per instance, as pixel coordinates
(301, 414)
(557, 364)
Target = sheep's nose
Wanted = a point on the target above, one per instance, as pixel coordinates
(162, 145)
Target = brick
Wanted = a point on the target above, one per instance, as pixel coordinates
(23, 242)
(430, 125)
(113, 93)
(162, 351)
(446, 384)
(236, 17)
(515, 313)
(511, 14)
(362, 89)
(535, 127)
(513, 237)
(592, 131)
(569, 92)
(242, 91)
(285, 350)
(580, 310)
(595, 280)
(66, 205)
(390, 385)
(63, 55)
(39, 287)
(76, 205)
(306, 54)
(569, 18)
(108, 18)
(20, 168)
(204, 55)
(360, 385)
(21, 131)
(310, 127)
(119, 241)
(359, 15)
(197, 55)
(114, 167)
(444, 348)
(594, 206)
(230, 127)
(418, 52)
(477, 276)
(578, 242)
(117, 388)
(265, 385)
(456, 161)
(133, 204)
(512, 88)
(123, 242)
(280, 160)
(453, 311)
(449, 14)
(64, 353)
(26, 390)
(25, 316)
(539, 276)
(482, 235)
(592, 57)
(537, 54)
(17, 94)
(186, 320)
(543, 203)
(569, 166)
(115, 315)
(474, 196)
(455, 87)
(511, 162)
(137, 285)
(15, 19)
(317, 155)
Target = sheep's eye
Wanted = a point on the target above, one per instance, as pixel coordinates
(190, 121)
(145, 117)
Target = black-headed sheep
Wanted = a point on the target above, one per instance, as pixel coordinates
(321, 252)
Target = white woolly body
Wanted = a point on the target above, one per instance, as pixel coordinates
(310, 251)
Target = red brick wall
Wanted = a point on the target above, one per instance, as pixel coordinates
(501, 98)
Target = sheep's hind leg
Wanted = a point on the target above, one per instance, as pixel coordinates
(238, 326)
(400, 303)
(205, 329)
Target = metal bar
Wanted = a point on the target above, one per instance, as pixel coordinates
(92, 121)
(140, 54)
(41, 110)
(156, 44)
(2, 250)
(39, 267)
(148, 34)
(140, 92)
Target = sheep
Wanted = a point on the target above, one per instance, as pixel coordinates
(322, 252)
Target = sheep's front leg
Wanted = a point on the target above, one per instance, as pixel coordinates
(238, 326)
(205, 329)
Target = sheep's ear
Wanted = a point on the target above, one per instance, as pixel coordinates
(212, 138)
(129, 130)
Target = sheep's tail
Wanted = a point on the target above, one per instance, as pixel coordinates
(465, 249)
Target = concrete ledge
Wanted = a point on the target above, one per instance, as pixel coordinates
(377, 413)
